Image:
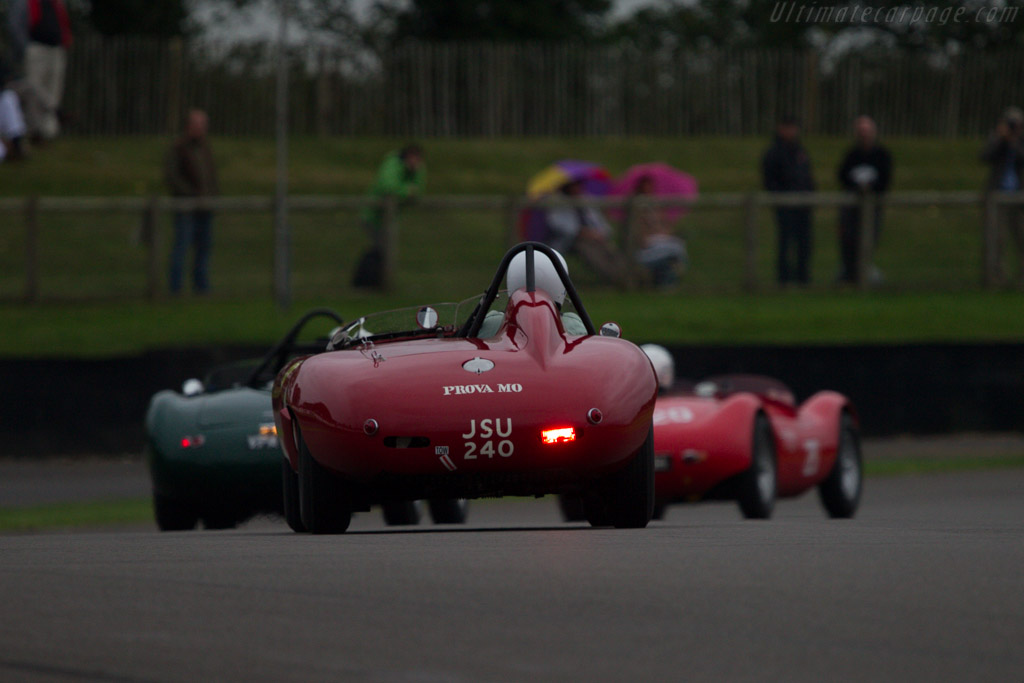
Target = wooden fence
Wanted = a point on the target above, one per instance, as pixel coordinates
(503, 209)
(133, 86)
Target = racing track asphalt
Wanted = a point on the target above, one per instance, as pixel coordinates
(926, 584)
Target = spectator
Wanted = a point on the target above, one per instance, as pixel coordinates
(49, 32)
(661, 252)
(17, 32)
(189, 171)
(401, 175)
(12, 122)
(1004, 154)
(866, 168)
(585, 231)
(787, 168)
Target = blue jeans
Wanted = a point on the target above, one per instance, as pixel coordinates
(191, 228)
(794, 235)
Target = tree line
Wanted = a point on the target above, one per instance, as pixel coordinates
(945, 27)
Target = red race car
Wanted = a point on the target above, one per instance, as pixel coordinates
(438, 403)
(743, 437)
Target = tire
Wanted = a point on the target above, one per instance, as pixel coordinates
(290, 485)
(571, 507)
(173, 515)
(759, 484)
(840, 491)
(628, 495)
(323, 501)
(659, 511)
(217, 519)
(595, 510)
(448, 510)
(401, 513)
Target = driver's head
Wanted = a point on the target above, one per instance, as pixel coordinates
(545, 276)
(664, 365)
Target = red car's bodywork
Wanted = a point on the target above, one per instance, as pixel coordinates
(450, 430)
(703, 441)
(441, 413)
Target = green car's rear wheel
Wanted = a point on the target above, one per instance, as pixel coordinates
(174, 515)
(401, 513)
(449, 510)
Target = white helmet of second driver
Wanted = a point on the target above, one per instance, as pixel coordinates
(545, 276)
(664, 365)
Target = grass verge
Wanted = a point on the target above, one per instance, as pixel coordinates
(76, 515)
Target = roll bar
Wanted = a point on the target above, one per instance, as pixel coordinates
(471, 328)
(277, 356)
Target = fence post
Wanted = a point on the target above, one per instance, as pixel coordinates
(991, 274)
(865, 237)
(750, 243)
(31, 248)
(389, 241)
(511, 221)
(635, 273)
(323, 94)
(151, 240)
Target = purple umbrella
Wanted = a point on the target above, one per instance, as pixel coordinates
(665, 181)
(596, 180)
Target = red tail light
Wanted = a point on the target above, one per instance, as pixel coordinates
(558, 435)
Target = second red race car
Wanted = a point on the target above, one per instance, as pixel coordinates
(745, 438)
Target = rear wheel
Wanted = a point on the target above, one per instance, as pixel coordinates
(449, 510)
(571, 507)
(840, 491)
(290, 485)
(220, 518)
(323, 501)
(595, 510)
(758, 484)
(401, 513)
(625, 499)
(173, 515)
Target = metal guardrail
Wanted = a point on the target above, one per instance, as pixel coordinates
(509, 207)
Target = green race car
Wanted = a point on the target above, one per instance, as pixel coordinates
(212, 448)
(213, 452)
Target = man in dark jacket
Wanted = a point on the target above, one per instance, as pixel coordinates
(190, 172)
(1004, 153)
(867, 167)
(787, 168)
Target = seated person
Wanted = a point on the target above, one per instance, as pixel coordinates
(12, 122)
(660, 251)
(585, 230)
(547, 280)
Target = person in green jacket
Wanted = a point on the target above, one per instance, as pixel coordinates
(402, 175)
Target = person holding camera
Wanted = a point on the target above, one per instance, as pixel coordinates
(1004, 154)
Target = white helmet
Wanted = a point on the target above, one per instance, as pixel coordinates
(545, 276)
(664, 366)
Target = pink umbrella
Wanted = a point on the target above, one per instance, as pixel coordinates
(665, 181)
